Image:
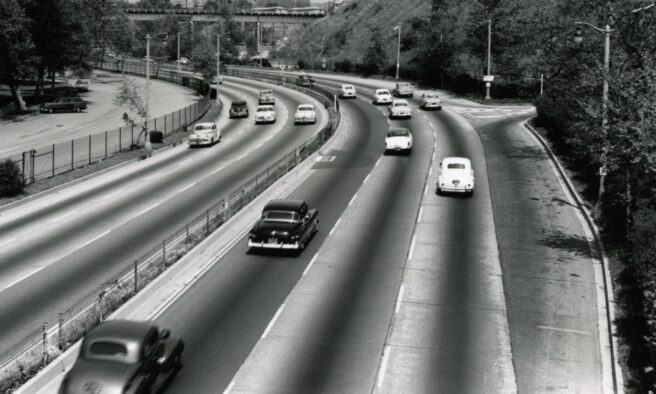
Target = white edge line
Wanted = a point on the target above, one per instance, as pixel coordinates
(366, 178)
(430, 123)
(567, 330)
(399, 299)
(96, 238)
(229, 388)
(430, 171)
(217, 170)
(377, 161)
(314, 258)
(9, 241)
(412, 246)
(272, 322)
(113, 194)
(383, 367)
(353, 199)
(334, 227)
(421, 212)
(186, 187)
(426, 189)
(147, 209)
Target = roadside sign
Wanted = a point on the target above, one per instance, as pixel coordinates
(488, 78)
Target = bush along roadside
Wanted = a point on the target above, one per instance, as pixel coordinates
(11, 180)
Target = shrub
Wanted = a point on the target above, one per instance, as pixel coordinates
(11, 180)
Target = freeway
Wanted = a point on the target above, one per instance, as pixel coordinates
(91, 232)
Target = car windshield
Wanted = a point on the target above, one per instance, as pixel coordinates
(430, 95)
(404, 85)
(281, 216)
(107, 348)
(266, 92)
(381, 92)
(398, 133)
(264, 109)
(347, 87)
(455, 166)
(400, 104)
(200, 127)
(239, 104)
(305, 108)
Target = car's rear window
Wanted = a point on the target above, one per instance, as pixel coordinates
(456, 166)
(284, 216)
(400, 104)
(305, 108)
(266, 92)
(239, 104)
(348, 87)
(203, 127)
(106, 348)
(264, 109)
(398, 133)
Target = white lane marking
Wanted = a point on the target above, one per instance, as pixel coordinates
(229, 388)
(426, 190)
(399, 299)
(412, 246)
(63, 216)
(96, 238)
(147, 209)
(314, 258)
(421, 213)
(9, 241)
(430, 123)
(186, 187)
(22, 278)
(366, 179)
(568, 330)
(272, 322)
(183, 162)
(335, 226)
(430, 171)
(433, 158)
(383, 367)
(378, 161)
(217, 170)
(113, 194)
(152, 176)
(434, 135)
(352, 199)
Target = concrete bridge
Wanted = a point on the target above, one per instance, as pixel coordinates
(196, 15)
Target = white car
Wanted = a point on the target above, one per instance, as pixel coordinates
(400, 109)
(265, 114)
(183, 60)
(430, 100)
(398, 140)
(205, 134)
(347, 91)
(456, 176)
(382, 96)
(305, 114)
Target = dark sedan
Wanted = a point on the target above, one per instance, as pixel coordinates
(239, 109)
(124, 356)
(285, 224)
(70, 104)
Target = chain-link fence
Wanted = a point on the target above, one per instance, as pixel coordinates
(48, 341)
(48, 161)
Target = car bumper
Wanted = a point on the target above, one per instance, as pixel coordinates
(238, 115)
(305, 120)
(199, 143)
(401, 114)
(432, 105)
(347, 95)
(272, 245)
(455, 189)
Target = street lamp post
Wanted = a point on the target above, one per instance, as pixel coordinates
(147, 144)
(218, 64)
(398, 51)
(489, 57)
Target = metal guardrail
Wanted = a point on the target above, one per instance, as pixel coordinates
(46, 342)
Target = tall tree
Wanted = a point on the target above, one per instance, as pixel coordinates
(16, 49)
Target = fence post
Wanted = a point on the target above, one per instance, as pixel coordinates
(44, 342)
(53, 159)
(187, 238)
(60, 332)
(105, 144)
(165, 124)
(135, 277)
(72, 149)
(164, 252)
(120, 132)
(131, 135)
(100, 304)
(155, 124)
(89, 148)
(207, 222)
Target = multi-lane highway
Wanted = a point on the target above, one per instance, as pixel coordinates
(401, 290)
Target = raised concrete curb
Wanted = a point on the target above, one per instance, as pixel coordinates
(611, 370)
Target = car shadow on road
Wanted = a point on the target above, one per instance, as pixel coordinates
(573, 243)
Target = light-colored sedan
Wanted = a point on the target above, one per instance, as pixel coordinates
(347, 91)
(456, 176)
(400, 109)
(305, 114)
(382, 96)
(430, 100)
(205, 134)
(265, 114)
(398, 140)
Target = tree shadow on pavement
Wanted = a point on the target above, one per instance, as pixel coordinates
(573, 243)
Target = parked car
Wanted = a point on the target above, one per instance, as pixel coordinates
(71, 104)
(205, 134)
(82, 85)
(398, 140)
(239, 109)
(265, 114)
(456, 176)
(305, 81)
(399, 109)
(403, 89)
(124, 356)
(347, 91)
(285, 224)
(305, 113)
(266, 97)
(430, 100)
(382, 96)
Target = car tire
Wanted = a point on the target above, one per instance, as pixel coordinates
(212, 141)
(438, 191)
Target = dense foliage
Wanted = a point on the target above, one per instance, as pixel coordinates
(11, 179)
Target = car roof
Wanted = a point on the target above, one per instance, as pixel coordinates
(125, 330)
(398, 129)
(239, 102)
(306, 105)
(346, 85)
(399, 101)
(210, 124)
(269, 107)
(284, 205)
(450, 160)
(382, 90)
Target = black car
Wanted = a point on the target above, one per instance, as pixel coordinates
(285, 224)
(305, 81)
(121, 356)
(239, 109)
(71, 104)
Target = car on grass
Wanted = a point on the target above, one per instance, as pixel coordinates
(382, 96)
(124, 356)
(399, 109)
(347, 91)
(69, 104)
(284, 225)
(205, 134)
(430, 100)
(266, 97)
(455, 176)
(305, 113)
(239, 109)
(398, 140)
(403, 89)
(265, 114)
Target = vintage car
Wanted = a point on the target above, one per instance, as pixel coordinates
(456, 176)
(124, 356)
(430, 100)
(347, 91)
(403, 89)
(305, 81)
(265, 114)
(399, 109)
(305, 113)
(398, 140)
(382, 96)
(71, 104)
(266, 97)
(183, 60)
(239, 109)
(82, 85)
(205, 134)
(285, 224)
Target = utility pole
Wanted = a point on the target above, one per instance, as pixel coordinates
(489, 56)
(218, 64)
